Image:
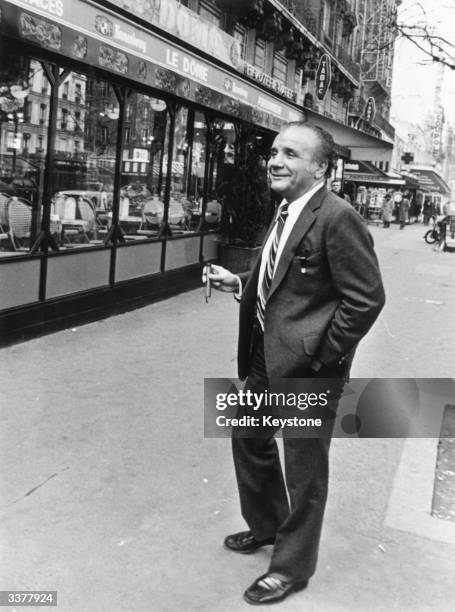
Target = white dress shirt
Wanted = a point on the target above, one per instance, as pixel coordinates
(294, 210)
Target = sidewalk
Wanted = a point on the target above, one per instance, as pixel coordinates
(112, 497)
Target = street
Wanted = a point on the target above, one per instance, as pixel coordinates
(112, 497)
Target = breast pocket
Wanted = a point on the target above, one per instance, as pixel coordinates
(307, 263)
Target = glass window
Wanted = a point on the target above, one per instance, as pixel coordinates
(298, 79)
(259, 54)
(328, 20)
(83, 176)
(143, 170)
(240, 36)
(23, 121)
(280, 67)
(210, 12)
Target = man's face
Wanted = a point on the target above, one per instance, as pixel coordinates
(293, 169)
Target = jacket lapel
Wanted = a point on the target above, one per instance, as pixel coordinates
(305, 220)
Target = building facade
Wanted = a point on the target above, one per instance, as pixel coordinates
(120, 120)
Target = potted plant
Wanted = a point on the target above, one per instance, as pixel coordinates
(247, 209)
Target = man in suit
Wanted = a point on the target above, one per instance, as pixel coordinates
(311, 296)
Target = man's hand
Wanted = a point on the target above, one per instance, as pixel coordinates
(221, 279)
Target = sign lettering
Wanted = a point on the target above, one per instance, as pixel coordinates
(323, 76)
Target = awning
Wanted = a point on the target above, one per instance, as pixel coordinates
(430, 180)
(362, 146)
(412, 182)
(364, 172)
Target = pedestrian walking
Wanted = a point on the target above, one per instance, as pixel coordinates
(387, 209)
(403, 208)
(428, 210)
(313, 293)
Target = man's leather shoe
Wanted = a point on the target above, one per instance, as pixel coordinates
(269, 589)
(245, 542)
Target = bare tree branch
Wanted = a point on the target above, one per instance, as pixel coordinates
(436, 47)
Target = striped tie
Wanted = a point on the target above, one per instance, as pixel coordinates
(269, 268)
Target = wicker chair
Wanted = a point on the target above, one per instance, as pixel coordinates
(20, 221)
(4, 224)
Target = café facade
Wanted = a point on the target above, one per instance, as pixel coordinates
(118, 121)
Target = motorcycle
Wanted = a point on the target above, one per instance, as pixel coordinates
(437, 233)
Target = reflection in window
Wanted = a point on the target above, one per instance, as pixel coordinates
(83, 177)
(23, 126)
(142, 179)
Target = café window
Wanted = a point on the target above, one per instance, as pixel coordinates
(22, 115)
(143, 168)
(84, 163)
(279, 67)
(259, 54)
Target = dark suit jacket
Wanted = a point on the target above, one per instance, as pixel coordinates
(325, 295)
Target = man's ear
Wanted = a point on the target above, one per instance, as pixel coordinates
(320, 170)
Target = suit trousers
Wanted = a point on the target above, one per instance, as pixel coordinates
(291, 508)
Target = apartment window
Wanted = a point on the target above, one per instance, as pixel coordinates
(328, 19)
(128, 112)
(44, 85)
(298, 79)
(210, 12)
(280, 67)
(127, 135)
(42, 113)
(28, 112)
(78, 93)
(144, 135)
(65, 90)
(64, 121)
(145, 112)
(26, 141)
(259, 54)
(240, 37)
(104, 135)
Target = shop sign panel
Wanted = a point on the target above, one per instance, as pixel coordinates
(323, 76)
(84, 31)
(370, 110)
(187, 25)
